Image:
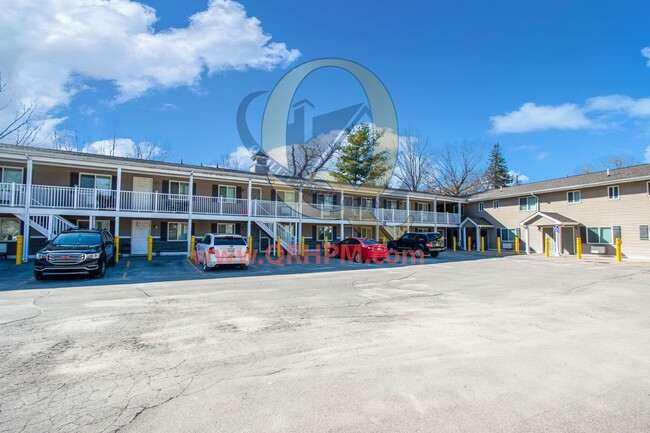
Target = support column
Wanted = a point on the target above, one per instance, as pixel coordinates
(342, 236)
(478, 239)
(91, 221)
(249, 207)
(408, 213)
(299, 231)
(527, 239)
(558, 243)
(118, 201)
(435, 214)
(189, 214)
(28, 202)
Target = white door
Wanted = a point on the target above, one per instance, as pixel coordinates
(140, 231)
(142, 189)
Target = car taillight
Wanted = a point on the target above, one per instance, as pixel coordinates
(211, 250)
(428, 244)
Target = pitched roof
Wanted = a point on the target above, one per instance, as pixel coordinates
(617, 175)
(478, 222)
(554, 217)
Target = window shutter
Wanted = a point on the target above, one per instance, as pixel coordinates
(334, 236)
(193, 231)
(315, 198)
(214, 227)
(313, 232)
(643, 233)
(165, 187)
(583, 234)
(334, 199)
(273, 195)
(616, 231)
(163, 231)
(111, 227)
(193, 188)
(215, 190)
(238, 228)
(384, 204)
(239, 192)
(74, 178)
(114, 183)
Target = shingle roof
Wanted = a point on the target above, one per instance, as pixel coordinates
(481, 222)
(601, 177)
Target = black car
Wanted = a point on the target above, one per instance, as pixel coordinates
(76, 252)
(420, 243)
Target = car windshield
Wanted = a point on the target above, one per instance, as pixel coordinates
(370, 242)
(434, 236)
(77, 239)
(229, 241)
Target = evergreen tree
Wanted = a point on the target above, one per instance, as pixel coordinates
(497, 171)
(359, 163)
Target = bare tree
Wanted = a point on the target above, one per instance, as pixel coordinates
(67, 140)
(458, 169)
(21, 128)
(414, 161)
(148, 150)
(235, 161)
(306, 160)
(605, 162)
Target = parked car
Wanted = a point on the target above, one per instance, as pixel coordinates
(76, 252)
(431, 243)
(216, 249)
(359, 249)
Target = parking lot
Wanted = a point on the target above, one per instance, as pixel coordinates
(462, 343)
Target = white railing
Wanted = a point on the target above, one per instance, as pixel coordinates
(219, 206)
(12, 194)
(288, 240)
(44, 196)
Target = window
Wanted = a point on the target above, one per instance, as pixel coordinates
(95, 181)
(9, 229)
(324, 231)
(481, 207)
(227, 191)
(181, 188)
(528, 203)
(600, 235)
(495, 205)
(177, 232)
(612, 192)
(573, 197)
(99, 224)
(227, 228)
(643, 232)
(286, 196)
(647, 188)
(366, 202)
(391, 204)
(11, 175)
(423, 207)
(325, 199)
(366, 232)
(508, 235)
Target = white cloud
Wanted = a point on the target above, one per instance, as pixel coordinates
(239, 159)
(125, 147)
(647, 154)
(518, 178)
(532, 117)
(646, 53)
(543, 155)
(50, 49)
(620, 103)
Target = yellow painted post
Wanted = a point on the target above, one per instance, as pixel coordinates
(454, 245)
(192, 245)
(19, 250)
(325, 245)
(250, 246)
(482, 244)
(117, 249)
(302, 246)
(619, 254)
(579, 248)
(150, 249)
(383, 239)
(547, 243)
(517, 244)
(498, 245)
(469, 243)
(279, 247)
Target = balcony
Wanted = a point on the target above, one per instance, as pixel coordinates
(59, 197)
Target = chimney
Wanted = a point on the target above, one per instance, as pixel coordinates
(260, 163)
(608, 172)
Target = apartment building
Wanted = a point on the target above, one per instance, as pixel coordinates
(596, 207)
(45, 191)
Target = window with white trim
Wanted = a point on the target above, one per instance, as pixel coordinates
(227, 191)
(600, 235)
(495, 205)
(508, 235)
(528, 203)
(613, 192)
(177, 231)
(573, 197)
(227, 228)
(9, 229)
(286, 196)
(178, 187)
(643, 232)
(366, 202)
(11, 175)
(99, 224)
(325, 199)
(95, 181)
(323, 231)
(391, 204)
(366, 232)
(481, 207)
(422, 207)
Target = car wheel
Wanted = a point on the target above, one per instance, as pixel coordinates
(102, 269)
(243, 267)
(434, 253)
(419, 253)
(205, 267)
(357, 258)
(38, 276)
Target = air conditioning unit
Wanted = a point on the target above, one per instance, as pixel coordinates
(598, 249)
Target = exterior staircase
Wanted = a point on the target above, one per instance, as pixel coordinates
(288, 241)
(48, 225)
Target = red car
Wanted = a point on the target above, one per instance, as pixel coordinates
(359, 250)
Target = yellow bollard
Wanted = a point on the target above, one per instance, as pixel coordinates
(19, 249)
(482, 244)
(117, 249)
(150, 249)
(517, 244)
(279, 247)
(383, 240)
(325, 245)
(469, 243)
(498, 245)
(250, 246)
(454, 245)
(579, 248)
(192, 245)
(619, 254)
(547, 243)
(302, 246)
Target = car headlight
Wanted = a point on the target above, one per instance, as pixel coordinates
(41, 256)
(93, 255)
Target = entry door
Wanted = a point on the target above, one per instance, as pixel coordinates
(547, 232)
(142, 188)
(140, 231)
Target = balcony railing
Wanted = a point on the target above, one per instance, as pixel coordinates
(59, 197)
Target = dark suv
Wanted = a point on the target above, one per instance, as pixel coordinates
(420, 243)
(76, 252)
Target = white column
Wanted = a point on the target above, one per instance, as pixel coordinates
(299, 237)
(527, 239)
(377, 216)
(558, 243)
(478, 238)
(408, 213)
(341, 236)
(28, 201)
(435, 214)
(189, 213)
(118, 201)
(249, 207)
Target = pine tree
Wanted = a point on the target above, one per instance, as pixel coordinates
(497, 171)
(358, 162)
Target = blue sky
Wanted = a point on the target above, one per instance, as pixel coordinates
(558, 84)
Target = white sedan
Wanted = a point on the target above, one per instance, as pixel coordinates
(215, 250)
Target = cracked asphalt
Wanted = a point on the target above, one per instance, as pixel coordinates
(492, 345)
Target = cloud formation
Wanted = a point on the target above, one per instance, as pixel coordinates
(531, 117)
